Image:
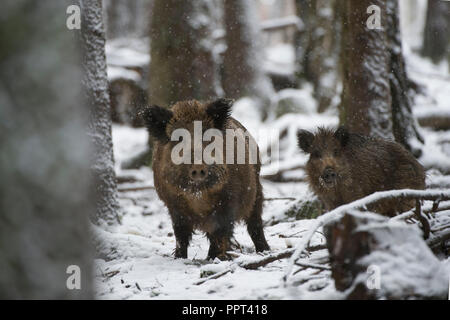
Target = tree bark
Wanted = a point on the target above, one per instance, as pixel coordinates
(125, 18)
(377, 93)
(182, 65)
(366, 96)
(242, 66)
(95, 84)
(45, 199)
(404, 125)
(317, 48)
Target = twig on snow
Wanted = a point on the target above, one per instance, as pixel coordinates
(126, 189)
(214, 276)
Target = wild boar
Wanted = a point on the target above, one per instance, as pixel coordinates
(210, 197)
(345, 166)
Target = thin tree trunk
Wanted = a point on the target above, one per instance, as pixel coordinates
(182, 65)
(318, 48)
(404, 125)
(437, 29)
(96, 88)
(125, 18)
(45, 197)
(366, 96)
(243, 74)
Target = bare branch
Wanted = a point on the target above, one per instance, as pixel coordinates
(124, 189)
(214, 276)
(276, 256)
(285, 198)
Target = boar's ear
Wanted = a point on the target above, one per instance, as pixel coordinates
(156, 119)
(305, 139)
(342, 135)
(219, 111)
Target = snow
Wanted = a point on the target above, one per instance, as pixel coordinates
(408, 268)
(280, 59)
(137, 260)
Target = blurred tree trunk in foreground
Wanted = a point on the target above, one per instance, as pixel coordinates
(243, 73)
(317, 47)
(182, 65)
(45, 197)
(436, 35)
(376, 98)
(95, 83)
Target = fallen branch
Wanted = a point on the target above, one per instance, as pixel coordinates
(311, 265)
(276, 256)
(279, 176)
(435, 241)
(433, 195)
(436, 122)
(124, 189)
(214, 276)
(285, 198)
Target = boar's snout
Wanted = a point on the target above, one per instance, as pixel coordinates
(198, 173)
(328, 176)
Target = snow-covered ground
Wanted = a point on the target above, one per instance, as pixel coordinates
(139, 262)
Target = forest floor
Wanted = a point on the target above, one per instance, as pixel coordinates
(140, 262)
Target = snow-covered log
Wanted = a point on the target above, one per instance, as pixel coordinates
(333, 215)
(374, 258)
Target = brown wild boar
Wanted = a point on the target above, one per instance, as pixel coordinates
(207, 197)
(344, 167)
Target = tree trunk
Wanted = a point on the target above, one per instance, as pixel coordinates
(404, 125)
(243, 74)
(97, 97)
(372, 258)
(317, 48)
(437, 29)
(45, 199)
(125, 18)
(366, 96)
(182, 65)
(376, 98)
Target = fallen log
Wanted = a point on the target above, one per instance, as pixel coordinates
(375, 258)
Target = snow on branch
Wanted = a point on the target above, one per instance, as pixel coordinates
(432, 195)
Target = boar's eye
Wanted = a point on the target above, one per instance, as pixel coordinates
(315, 154)
(336, 152)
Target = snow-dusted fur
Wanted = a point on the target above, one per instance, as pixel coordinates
(344, 167)
(229, 193)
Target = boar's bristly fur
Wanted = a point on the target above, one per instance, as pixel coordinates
(206, 197)
(345, 166)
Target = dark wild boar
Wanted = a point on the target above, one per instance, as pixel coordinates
(344, 167)
(207, 197)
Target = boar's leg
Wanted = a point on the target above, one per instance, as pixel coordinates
(219, 245)
(255, 224)
(219, 239)
(183, 235)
